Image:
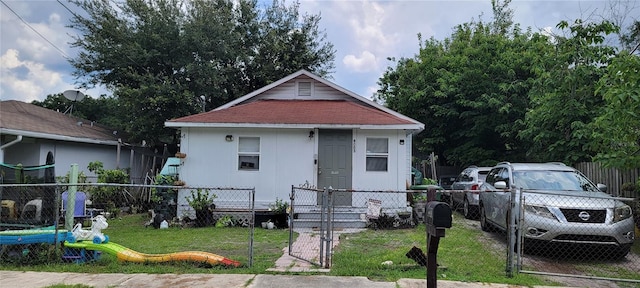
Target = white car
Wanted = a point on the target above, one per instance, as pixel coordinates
(560, 205)
(467, 190)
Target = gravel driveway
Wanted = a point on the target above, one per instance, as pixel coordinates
(497, 240)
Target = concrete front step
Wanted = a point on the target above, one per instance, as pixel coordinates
(337, 224)
(340, 215)
(343, 217)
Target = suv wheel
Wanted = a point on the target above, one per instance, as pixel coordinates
(484, 224)
(468, 210)
(452, 203)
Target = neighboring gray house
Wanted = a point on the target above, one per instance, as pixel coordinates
(28, 133)
(301, 129)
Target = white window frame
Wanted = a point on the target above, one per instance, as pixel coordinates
(248, 153)
(376, 155)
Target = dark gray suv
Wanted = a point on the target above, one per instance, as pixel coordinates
(555, 203)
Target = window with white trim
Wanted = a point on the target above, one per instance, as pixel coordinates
(377, 154)
(248, 153)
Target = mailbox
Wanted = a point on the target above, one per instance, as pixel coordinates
(438, 215)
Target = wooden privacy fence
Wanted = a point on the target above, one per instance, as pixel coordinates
(612, 177)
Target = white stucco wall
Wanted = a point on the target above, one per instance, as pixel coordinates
(83, 154)
(394, 179)
(34, 152)
(286, 158)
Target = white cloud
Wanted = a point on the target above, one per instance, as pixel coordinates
(27, 80)
(366, 62)
(32, 65)
(49, 44)
(10, 59)
(368, 26)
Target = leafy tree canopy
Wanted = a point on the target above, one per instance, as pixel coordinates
(101, 109)
(563, 100)
(616, 132)
(469, 89)
(165, 59)
(492, 92)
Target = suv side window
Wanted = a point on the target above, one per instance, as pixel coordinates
(503, 175)
(491, 177)
(462, 176)
(467, 175)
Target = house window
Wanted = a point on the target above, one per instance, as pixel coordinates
(304, 88)
(377, 154)
(248, 153)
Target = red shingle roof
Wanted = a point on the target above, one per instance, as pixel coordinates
(25, 117)
(298, 112)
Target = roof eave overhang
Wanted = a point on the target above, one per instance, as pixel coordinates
(412, 127)
(48, 136)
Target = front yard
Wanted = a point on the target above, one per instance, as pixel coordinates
(465, 253)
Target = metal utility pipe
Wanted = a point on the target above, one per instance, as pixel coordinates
(18, 139)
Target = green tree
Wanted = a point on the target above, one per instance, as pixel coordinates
(563, 101)
(469, 90)
(103, 110)
(165, 59)
(616, 134)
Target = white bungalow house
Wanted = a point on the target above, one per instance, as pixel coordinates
(31, 135)
(299, 130)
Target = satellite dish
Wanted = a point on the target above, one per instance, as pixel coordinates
(73, 95)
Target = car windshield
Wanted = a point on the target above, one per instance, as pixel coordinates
(553, 180)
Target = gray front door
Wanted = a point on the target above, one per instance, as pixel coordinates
(334, 163)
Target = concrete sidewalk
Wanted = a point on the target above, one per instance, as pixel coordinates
(30, 279)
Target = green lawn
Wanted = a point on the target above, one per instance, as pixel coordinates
(458, 256)
(461, 256)
(129, 231)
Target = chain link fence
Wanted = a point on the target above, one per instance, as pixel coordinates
(320, 220)
(37, 219)
(577, 236)
(554, 233)
(594, 233)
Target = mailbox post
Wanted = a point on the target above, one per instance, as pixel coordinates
(437, 219)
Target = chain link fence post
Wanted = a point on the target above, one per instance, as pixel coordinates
(329, 233)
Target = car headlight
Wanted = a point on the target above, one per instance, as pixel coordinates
(540, 211)
(621, 212)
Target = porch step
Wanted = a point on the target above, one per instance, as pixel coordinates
(341, 219)
(336, 215)
(337, 224)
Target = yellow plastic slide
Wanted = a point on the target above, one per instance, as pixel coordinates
(128, 255)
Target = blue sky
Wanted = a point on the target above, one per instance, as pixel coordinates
(364, 34)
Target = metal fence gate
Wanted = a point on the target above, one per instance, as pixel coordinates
(314, 242)
(318, 219)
